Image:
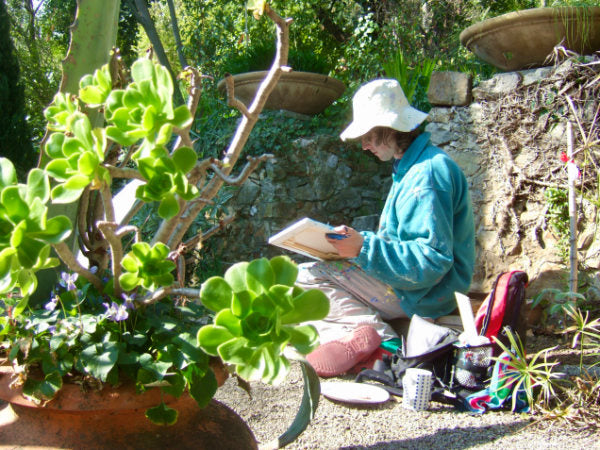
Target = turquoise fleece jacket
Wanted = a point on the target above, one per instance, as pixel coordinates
(425, 246)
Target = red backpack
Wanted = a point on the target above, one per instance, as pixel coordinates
(503, 308)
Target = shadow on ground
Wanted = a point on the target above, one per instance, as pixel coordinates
(457, 438)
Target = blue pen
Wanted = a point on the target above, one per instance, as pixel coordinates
(336, 236)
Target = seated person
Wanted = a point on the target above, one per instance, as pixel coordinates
(423, 251)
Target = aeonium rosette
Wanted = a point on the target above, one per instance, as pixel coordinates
(257, 308)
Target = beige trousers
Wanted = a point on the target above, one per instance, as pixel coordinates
(355, 299)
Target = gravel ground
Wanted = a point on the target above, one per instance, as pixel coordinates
(388, 425)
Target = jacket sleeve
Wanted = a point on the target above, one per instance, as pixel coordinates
(420, 252)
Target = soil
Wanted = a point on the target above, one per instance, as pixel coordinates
(336, 425)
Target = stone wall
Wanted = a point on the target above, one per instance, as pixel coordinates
(508, 160)
(322, 178)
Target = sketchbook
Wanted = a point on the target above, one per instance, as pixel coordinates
(306, 237)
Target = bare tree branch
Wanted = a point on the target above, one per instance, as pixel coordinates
(116, 172)
(244, 127)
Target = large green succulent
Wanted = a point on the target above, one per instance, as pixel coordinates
(147, 266)
(25, 231)
(257, 306)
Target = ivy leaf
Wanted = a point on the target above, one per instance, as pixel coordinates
(157, 368)
(99, 359)
(45, 389)
(162, 415)
(202, 384)
(176, 385)
(188, 344)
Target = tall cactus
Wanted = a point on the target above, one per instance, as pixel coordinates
(93, 34)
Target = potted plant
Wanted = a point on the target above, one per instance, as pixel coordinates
(525, 39)
(122, 324)
(303, 88)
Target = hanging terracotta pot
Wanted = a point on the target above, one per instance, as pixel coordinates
(524, 39)
(300, 92)
(114, 418)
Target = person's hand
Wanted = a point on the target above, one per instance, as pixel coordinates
(349, 246)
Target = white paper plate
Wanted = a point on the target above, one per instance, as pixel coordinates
(354, 392)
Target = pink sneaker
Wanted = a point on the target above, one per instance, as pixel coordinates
(337, 357)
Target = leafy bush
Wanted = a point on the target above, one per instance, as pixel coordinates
(125, 315)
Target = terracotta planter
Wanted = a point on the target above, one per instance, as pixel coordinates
(114, 418)
(524, 39)
(301, 92)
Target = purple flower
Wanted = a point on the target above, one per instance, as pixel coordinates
(67, 280)
(116, 312)
(128, 299)
(51, 305)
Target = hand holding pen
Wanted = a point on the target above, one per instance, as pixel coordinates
(346, 240)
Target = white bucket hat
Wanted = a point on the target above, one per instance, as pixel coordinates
(381, 103)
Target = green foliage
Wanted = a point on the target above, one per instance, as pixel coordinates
(14, 132)
(529, 374)
(135, 326)
(273, 133)
(557, 301)
(41, 37)
(574, 398)
(586, 333)
(143, 110)
(147, 266)
(259, 56)
(413, 76)
(256, 306)
(76, 154)
(25, 231)
(78, 331)
(558, 216)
